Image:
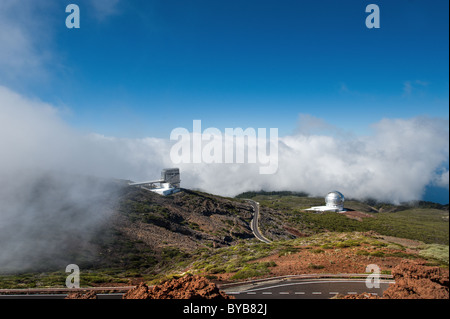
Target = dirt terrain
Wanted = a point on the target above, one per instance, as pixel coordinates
(187, 287)
(79, 295)
(344, 260)
(356, 215)
(313, 260)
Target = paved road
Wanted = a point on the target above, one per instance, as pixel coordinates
(61, 293)
(304, 288)
(274, 289)
(288, 287)
(255, 222)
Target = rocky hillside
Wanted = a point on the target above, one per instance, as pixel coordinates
(148, 233)
(54, 220)
(187, 220)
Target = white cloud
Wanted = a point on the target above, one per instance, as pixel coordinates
(27, 36)
(442, 179)
(394, 163)
(407, 88)
(413, 87)
(25, 48)
(41, 154)
(105, 8)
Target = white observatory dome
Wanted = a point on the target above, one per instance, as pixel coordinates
(335, 200)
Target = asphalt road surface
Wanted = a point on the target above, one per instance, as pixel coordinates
(276, 288)
(255, 222)
(304, 288)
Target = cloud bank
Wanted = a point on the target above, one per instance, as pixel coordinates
(395, 163)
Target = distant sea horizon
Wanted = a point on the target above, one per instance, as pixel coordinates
(435, 194)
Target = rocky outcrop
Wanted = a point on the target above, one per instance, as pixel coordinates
(414, 280)
(187, 287)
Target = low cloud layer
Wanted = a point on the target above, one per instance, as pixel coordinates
(395, 163)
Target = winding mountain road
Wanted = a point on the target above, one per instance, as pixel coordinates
(254, 225)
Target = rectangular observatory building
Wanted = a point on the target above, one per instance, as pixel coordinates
(171, 176)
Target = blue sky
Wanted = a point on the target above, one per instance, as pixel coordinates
(141, 68)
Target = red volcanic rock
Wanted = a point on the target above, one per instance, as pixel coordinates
(187, 287)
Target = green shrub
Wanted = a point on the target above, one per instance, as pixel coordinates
(401, 254)
(377, 254)
(288, 251)
(436, 251)
(314, 266)
(348, 243)
(378, 243)
(216, 270)
(253, 270)
(362, 253)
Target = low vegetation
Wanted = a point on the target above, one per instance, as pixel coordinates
(424, 225)
(436, 252)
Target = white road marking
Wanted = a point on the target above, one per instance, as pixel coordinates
(263, 290)
(316, 293)
(309, 282)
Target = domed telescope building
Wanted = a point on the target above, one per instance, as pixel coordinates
(334, 202)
